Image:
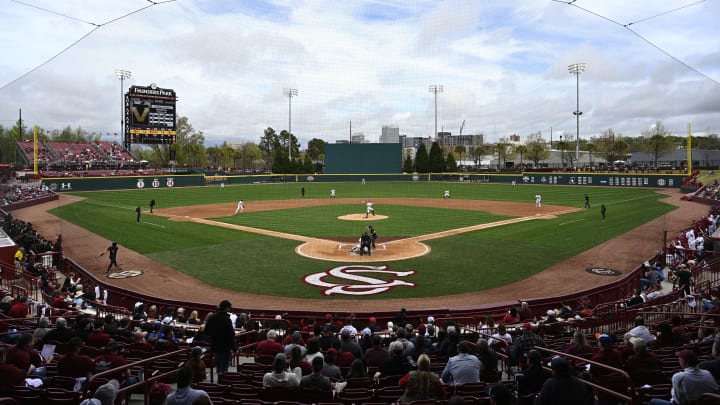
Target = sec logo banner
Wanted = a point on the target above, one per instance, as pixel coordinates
(357, 284)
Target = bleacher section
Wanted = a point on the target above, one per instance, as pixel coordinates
(63, 158)
(115, 152)
(27, 152)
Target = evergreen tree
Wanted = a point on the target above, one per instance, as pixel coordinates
(281, 163)
(437, 163)
(450, 163)
(422, 161)
(408, 165)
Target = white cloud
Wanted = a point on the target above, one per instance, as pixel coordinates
(503, 65)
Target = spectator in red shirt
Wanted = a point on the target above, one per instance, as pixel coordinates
(24, 357)
(139, 343)
(343, 359)
(112, 359)
(269, 346)
(511, 316)
(11, 375)
(58, 301)
(98, 338)
(642, 364)
(525, 312)
(579, 345)
(607, 355)
(19, 309)
(73, 364)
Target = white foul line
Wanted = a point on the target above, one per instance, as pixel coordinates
(565, 223)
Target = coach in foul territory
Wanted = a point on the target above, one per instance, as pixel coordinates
(112, 253)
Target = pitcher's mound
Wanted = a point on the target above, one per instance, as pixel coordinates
(361, 217)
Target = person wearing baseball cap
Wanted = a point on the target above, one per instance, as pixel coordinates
(104, 395)
(563, 388)
(689, 384)
(372, 324)
(609, 356)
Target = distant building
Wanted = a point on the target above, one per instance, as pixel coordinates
(390, 134)
(358, 137)
(415, 141)
(447, 139)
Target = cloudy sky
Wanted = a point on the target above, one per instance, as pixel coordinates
(503, 65)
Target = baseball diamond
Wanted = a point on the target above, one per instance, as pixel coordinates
(295, 250)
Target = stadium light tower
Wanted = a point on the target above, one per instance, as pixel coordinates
(123, 74)
(576, 69)
(290, 93)
(436, 88)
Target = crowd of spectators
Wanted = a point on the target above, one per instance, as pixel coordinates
(45, 155)
(12, 194)
(77, 155)
(102, 172)
(25, 235)
(711, 191)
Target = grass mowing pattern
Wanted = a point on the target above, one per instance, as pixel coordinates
(469, 262)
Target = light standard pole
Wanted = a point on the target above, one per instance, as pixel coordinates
(576, 69)
(436, 88)
(290, 93)
(562, 152)
(123, 74)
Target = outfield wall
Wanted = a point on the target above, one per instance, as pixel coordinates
(346, 158)
(554, 178)
(59, 184)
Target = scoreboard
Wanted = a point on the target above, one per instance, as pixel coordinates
(150, 115)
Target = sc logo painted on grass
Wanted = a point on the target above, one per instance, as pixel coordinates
(358, 284)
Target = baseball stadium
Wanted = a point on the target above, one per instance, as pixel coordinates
(359, 203)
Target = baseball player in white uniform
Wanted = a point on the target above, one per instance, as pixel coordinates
(538, 200)
(332, 193)
(446, 194)
(370, 209)
(240, 207)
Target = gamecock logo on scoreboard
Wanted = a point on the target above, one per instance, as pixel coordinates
(358, 281)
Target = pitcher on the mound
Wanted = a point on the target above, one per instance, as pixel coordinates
(370, 209)
(240, 207)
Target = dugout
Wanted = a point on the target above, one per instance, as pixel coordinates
(363, 158)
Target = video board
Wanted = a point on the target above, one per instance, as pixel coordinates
(150, 115)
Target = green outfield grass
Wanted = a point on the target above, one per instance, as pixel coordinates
(254, 263)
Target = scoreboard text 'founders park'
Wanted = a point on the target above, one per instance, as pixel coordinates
(150, 115)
